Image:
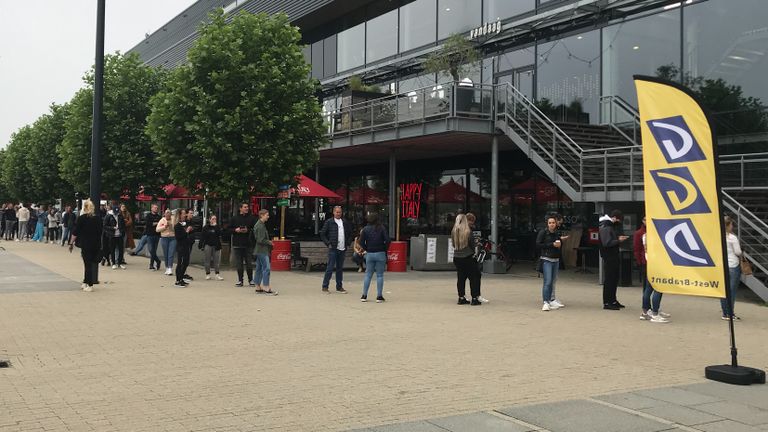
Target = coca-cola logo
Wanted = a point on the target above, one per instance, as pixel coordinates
(302, 189)
(393, 256)
(283, 257)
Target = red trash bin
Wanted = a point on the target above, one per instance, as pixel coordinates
(397, 256)
(281, 255)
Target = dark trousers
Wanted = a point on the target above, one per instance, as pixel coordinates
(52, 234)
(106, 252)
(610, 277)
(335, 262)
(117, 250)
(90, 266)
(153, 258)
(243, 258)
(467, 268)
(182, 259)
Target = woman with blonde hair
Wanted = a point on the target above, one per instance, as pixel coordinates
(87, 236)
(167, 239)
(464, 260)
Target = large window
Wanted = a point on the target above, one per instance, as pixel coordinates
(382, 37)
(351, 52)
(418, 24)
(568, 78)
(317, 60)
(329, 46)
(502, 9)
(457, 16)
(641, 46)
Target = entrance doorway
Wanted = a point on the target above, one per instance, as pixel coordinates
(521, 78)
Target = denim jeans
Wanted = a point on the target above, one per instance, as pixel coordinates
(549, 269)
(153, 258)
(261, 276)
(375, 262)
(65, 236)
(651, 298)
(139, 247)
(335, 261)
(169, 249)
(734, 277)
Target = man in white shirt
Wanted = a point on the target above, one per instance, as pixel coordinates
(23, 216)
(337, 235)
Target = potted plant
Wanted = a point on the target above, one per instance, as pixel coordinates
(455, 59)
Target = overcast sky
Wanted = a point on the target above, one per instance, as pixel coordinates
(47, 45)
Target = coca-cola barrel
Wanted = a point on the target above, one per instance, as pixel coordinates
(397, 256)
(281, 255)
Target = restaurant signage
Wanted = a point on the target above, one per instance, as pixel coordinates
(410, 200)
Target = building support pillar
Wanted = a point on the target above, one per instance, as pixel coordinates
(493, 265)
(317, 202)
(392, 195)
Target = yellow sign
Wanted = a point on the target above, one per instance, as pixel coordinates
(682, 207)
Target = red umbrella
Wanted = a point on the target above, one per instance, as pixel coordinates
(179, 192)
(361, 196)
(308, 188)
(453, 192)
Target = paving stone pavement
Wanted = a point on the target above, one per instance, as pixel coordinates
(138, 354)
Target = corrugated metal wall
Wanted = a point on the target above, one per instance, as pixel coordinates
(168, 45)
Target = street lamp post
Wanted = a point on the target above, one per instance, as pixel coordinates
(98, 99)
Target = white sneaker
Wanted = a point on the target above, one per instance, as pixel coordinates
(645, 316)
(658, 319)
(82, 286)
(557, 303)
(114, 266)
(665, 315)
(207, 277)
(218, 277)
(88, 288)
(122, 266)
(168, 271)
(546, 307)
(483, 299)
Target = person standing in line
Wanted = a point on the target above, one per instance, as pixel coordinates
(67, 222)
(2, 220)
(183, 247)
(550, 244)
(609, 251)
(337, 236)
(153, 237)
(262, 250)
(87, 236)
(651, 298)
(53, 226)
(23, 218)
(734, 270)
(10, 222)
(477, 240)
(211, 241)
(38, 221)
(114, 227)
(374, 240)
(167, 240)
(464, 260)
(242, 243)
(128, 241)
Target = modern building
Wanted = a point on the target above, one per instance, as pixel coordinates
(546, 121)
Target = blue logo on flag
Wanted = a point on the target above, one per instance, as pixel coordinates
(683, 243)
(675, 140)
(680, 191)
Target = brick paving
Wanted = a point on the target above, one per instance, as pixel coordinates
(139, 354)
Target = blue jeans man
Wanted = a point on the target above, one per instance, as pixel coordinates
(65, 235)
(375, 262)
(335, 262)
(139, 247)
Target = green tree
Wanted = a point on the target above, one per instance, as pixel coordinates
(4, 195)
(43, 158)
(456, 58)
(242, 115)
(16, 176)
(128, 161)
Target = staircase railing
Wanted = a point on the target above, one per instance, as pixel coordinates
(751, 231)
(622, 117)
(744, 171)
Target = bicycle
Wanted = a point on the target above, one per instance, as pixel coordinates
(486, 247)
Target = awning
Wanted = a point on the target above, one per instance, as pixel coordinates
(308, 188)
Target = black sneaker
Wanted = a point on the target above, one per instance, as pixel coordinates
(239, 284)
(462, 301)
(152, 268)
(186, 276)
(180, 283)
(380, 299)
(341, 291)
(611, 306)
(621, 306)
(363, 299)
(475, 302)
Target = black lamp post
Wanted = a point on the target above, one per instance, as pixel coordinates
(98, 98)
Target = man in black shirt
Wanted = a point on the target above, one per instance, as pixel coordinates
(242, 244)
(153, 237)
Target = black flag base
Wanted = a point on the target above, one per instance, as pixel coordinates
(740, 375)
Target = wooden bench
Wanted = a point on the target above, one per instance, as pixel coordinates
(314, 254)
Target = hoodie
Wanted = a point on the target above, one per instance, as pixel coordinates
(609, 241)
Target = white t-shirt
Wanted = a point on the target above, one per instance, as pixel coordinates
(340, 224)
(734, 250)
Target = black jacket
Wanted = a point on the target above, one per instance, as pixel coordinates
(111, 223)
(544, 243)
(150, 223)
(609, 239)
(374, 239)
(182, 236)
(242, 240)
(211, 236)
(68, 219)
(88, 230)
(10, 214)
(330, 233)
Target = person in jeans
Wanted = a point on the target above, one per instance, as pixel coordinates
(167, 239)
(242, 245)
(734, 270)
(67, 222)
(211, 243)
(374, 240)
(152, 236)
(609, 251)
(463, 258)
(262, 251)
(23, 217)
(337, 236)
(87, 236)
(550, 244)
(114, 227)
(651, 298)
(183, 246)
(53, 226)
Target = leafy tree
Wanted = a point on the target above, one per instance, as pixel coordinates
(4, 195)
(16, 176)
(456, 58)
(128, 161)
(46, 136)
(242, 115)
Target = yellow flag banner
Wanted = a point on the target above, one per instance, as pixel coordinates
(684, 233)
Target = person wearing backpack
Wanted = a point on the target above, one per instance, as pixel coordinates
(374, 241)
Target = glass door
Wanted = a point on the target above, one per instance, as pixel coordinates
(521, 78)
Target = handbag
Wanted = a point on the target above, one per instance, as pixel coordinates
(746, 267)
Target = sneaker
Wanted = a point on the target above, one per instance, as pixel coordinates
(645, 316)
(475, 302)
(186, 276)
(621, 306)
(326, 291)
(658, 319)
(122, 266)
(82, 286)
(114, 266)
(207, 277)
(462, 301)
(483, 299)
(168, 271)
(152, 268)
(611, 306)
(341, 291)
(664, 314)
(546, 307)
(218, 277)
(557, 303)
(88, 288)
(239, 284)
(180, 283)
(380, 299)
(363, 299)
(186, 281)
(251, 284)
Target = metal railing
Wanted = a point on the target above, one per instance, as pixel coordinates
(751, 231)
(744, 171)
(621, 116)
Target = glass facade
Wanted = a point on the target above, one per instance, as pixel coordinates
(381, 37)
(418, 24)
(351, 48)
(457, 16)
(500, 9)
